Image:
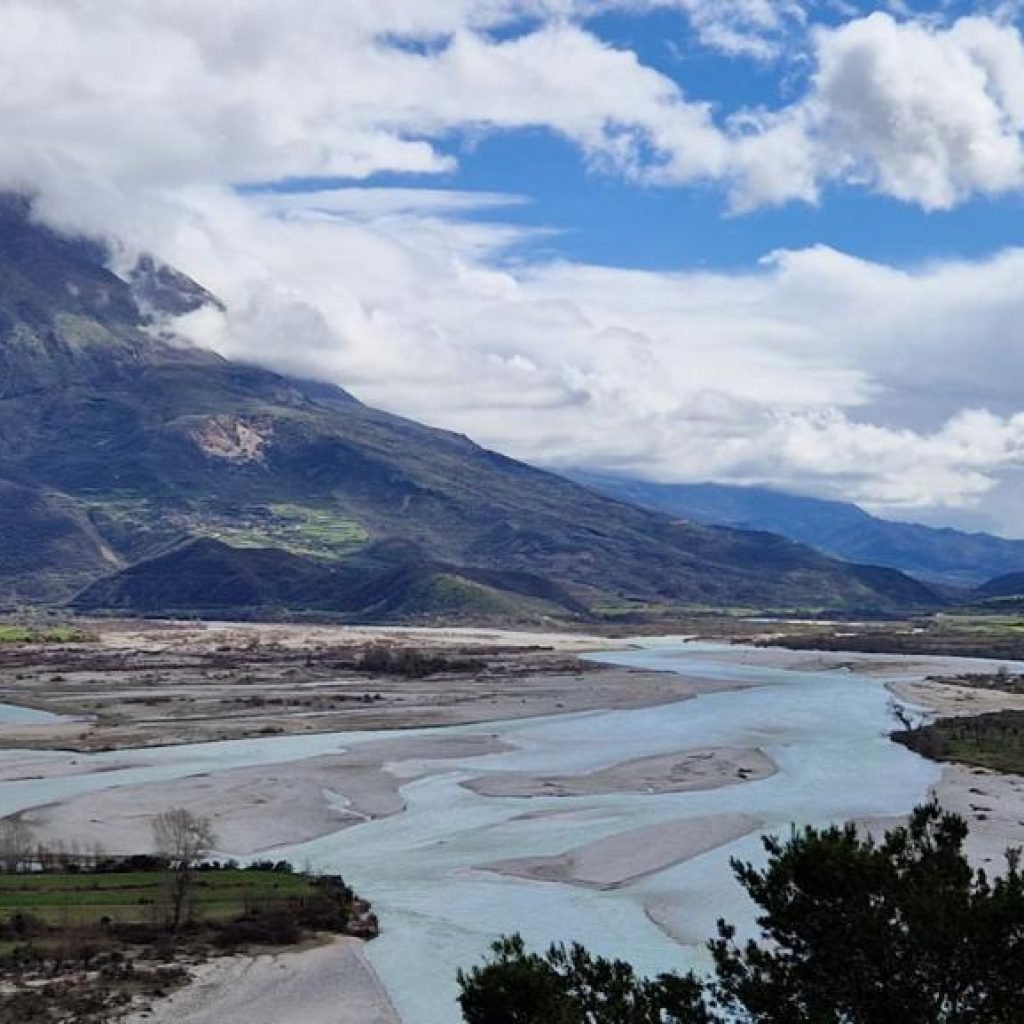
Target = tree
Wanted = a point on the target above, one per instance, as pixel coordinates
(17, 842)
(569, 986)
(184, 839)
(859, 932)
(852, 931)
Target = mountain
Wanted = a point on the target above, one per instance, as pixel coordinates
(999, 588)
(835, 528)
(208, 577)
(156, 476)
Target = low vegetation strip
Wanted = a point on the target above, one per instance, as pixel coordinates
(994, 741)
(112, 897)
(1003, 680)
(999, 637)
(41, 635)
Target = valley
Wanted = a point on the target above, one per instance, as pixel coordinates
(510, 512)
(569, 750)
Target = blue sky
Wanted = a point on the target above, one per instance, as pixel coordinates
(763, 242)
(598, 216)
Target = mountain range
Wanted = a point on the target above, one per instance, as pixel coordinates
(141, 474)
(835, 528)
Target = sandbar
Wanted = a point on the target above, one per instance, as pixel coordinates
(678, 772)
(617, 860)
(259, 808)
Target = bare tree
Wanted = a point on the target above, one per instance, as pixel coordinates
(184, 839)
(17, 842)
(902, 715)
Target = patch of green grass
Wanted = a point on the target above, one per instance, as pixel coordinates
(451, 594)
(301, 530)
(313, 531)
(133, 897)
(986, 624)
(47, 635)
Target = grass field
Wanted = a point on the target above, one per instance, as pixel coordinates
(63, 900)
(84, 947)
(315, 531)
(35, 635)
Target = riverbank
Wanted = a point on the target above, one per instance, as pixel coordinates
(135, 685)
(991, 802)
(329, 984)
(625, 815)
(258, 808)
(88, 938)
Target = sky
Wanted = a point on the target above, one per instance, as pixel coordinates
(751, 241)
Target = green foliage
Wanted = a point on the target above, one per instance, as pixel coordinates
(852, 931)
(46, 635)
(569, 986)
(994, 741)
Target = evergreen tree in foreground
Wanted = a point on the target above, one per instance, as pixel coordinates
(852, 931)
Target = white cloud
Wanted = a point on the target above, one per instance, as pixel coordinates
(751, 28)
(928, 113)
(164, 94)
(817, 371)
(167, 93)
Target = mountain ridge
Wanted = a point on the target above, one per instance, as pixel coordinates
(840, 529)
(147, 445)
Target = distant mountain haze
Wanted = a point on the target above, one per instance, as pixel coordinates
(144, 475)
(835, 528)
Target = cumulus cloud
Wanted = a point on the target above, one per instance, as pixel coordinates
(171, 93)
(166, 93)
(929, 113)
(815, 370)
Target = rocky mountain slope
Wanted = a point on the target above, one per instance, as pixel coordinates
(121, 447)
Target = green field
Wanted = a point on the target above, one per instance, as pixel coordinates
(80, 947)
(318, 531)
(63, 900)
(34, 635)
(298, 529)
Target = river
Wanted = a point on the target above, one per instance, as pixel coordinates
(826, 732)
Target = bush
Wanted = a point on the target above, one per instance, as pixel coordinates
(144, 862)
(282, 867)
(23, 925)
(382, 659)
(278, 926)
(853, 931)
